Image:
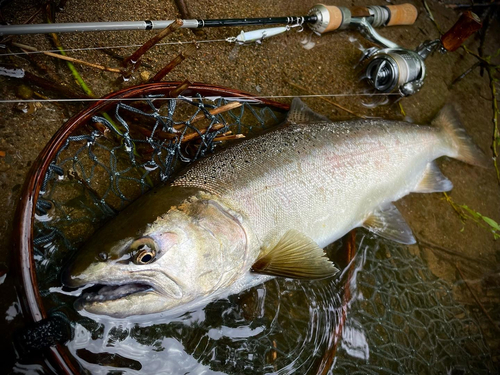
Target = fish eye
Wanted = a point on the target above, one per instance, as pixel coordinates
(143, 250)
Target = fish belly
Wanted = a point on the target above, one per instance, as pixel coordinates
(320, 179)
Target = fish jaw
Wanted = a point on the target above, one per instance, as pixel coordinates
(124, 305)
(201, 250)
(121, 290)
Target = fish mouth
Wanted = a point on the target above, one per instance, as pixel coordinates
(105, 293)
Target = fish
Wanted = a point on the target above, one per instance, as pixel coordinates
(263, 208)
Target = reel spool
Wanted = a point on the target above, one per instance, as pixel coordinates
(396, 70)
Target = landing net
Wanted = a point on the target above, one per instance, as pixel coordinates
(399, 318)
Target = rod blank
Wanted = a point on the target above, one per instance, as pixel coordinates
(47, 28)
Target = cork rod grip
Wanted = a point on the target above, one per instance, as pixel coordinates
(331, 17)
(335, 20)
(404, 14)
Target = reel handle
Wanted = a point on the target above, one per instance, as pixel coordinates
(467, 24)
(331, 17)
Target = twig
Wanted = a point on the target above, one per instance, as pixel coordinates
(185, 14)
(464, 212)
(67, 58)
(117, 56)
(325, 99)
(431, 16)
(401, 109)
(189, 137)
(496, 132)
(191, 49)
(183, 9)
(477, 299)
(432, 246)
(491, 68)
(462, 76)
(186, 138)
(469, 6)
(200, 132)
(482, 33)
(29, 20)
(174, 93)
(52, 86)
(73, 70)
(213, 112)
(229, 137)
(133, 58)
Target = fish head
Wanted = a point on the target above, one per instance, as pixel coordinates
(193, 251)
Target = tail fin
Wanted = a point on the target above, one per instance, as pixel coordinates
(463, 148)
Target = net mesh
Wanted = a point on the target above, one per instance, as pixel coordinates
(404, 320)
(123, 153)
(400, 317)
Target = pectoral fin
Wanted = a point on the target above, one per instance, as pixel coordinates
(295, 256)
(389, 223)
(433, 180)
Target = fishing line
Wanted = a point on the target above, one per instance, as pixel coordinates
(229, 98)
(108, 47)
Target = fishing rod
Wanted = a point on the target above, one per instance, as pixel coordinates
(388, 68)
(321, 18)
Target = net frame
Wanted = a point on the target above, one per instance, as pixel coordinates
(24, 238)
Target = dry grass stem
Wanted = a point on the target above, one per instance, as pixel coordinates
(67, 58)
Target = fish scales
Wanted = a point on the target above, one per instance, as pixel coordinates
(310, 176)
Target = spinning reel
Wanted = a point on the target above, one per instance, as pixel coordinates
(394, 69)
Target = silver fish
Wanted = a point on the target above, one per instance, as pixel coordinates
(264, 208)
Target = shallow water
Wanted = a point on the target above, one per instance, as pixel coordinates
(399, 319)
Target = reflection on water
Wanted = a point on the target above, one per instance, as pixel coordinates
(399, 319)
(281, 326)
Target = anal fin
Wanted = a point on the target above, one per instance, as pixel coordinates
(295, 256)
(433, 181)
(389, 223)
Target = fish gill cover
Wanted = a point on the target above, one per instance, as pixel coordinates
(399, 317)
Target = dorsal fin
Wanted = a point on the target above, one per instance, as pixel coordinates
(295, 256)
(389, 223)
(433, 181)
(300, 113)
